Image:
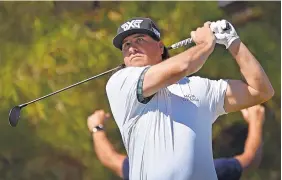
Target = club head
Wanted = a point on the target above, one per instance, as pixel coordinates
(14, 116)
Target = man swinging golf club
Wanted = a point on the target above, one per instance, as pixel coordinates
(165, 118)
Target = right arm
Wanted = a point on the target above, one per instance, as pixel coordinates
(105, 151)
(232, 168)
(251, 156)
(188, 62)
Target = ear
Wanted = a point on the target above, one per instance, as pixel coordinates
(161, 45)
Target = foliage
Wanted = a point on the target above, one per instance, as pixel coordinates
(45, 46)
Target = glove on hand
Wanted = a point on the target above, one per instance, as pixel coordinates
(225, 33)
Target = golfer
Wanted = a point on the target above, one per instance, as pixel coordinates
(165, 118)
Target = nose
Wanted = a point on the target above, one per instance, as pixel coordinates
(132, 49)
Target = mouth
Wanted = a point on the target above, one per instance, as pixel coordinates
(136, 56)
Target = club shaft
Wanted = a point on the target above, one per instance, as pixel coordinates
(173, 46)
(68, 87)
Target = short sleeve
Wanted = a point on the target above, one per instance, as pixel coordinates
(140, 95)
(122, 93)
(216, 94)
(125, 169)
(228, 168)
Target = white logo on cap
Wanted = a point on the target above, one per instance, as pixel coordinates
(157, 32)
(132, 24)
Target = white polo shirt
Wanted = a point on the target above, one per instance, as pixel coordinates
(170, 137)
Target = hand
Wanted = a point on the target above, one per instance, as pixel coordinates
(225, 37)
(203, 34)
(254, 114)
(98, 117)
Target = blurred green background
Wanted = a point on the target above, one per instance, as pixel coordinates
(45, 46)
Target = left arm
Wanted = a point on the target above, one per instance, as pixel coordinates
(257, 88)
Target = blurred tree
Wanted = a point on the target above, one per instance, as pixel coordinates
(45, 46)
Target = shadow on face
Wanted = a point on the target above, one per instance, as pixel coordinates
(141, 50)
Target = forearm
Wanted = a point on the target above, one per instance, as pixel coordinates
(254, 138)
(252, 71)
(194, 58)
(175, 68)
(253, 145)
(106, 153)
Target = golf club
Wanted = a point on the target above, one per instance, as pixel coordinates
(14, 114)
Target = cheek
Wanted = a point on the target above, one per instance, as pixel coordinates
(154, 51)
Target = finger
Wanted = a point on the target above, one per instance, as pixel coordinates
(219, 36)
(106, 118)
(107, 115)
(98, 111)
(193, 35)
(101, 112)
(213, 27)
(223, 24)
(262, 109)
(219, 27)
(220, 30)
(245, 113)
(207, 24)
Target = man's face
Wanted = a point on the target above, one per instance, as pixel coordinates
(141, 50)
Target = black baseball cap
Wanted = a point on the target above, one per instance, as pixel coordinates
(134, 26)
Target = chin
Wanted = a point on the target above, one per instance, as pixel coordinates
(139, 62)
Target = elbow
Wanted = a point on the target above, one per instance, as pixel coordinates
(266, 94)
(105, 162)
(245, 159)
(269, 94)
(272, 92)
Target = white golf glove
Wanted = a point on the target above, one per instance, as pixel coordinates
(225, 37)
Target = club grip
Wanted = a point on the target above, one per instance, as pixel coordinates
(187, 41)
(181, 43)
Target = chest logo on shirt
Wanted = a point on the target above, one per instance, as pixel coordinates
(191, 97)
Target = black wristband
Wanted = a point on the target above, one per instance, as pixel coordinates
(99, 127)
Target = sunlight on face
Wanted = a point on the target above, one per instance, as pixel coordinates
(141, 50)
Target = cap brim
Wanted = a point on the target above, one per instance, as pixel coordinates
(117, 41)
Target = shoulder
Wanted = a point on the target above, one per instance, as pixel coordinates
(206, 82)
(125, 169)
(122, 73)
(197, 81)
(228, 168)
(125, 74)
